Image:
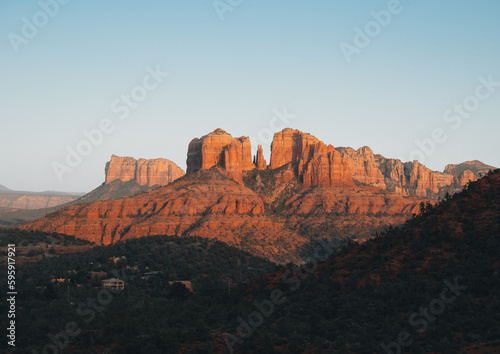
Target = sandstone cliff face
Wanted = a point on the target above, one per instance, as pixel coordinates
(420, 178)
(466, 177)
(407, 179)
(323, 166)
(366, 168)
(157, 172)
(144, 172)
(289, 145)
(316, 164)
(220, 148)
(120, 168)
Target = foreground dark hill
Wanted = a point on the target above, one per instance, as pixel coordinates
(431, 286)
(33, 246)
(155, 304)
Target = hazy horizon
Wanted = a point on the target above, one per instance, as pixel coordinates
(388, 75)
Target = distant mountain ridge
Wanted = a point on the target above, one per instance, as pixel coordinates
(34, 200)
(3, 188)
(476, 167)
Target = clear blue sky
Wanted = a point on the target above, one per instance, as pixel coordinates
(264, 55)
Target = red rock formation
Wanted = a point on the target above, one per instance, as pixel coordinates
(269, 218)
(317, 164)
(444, 180)
(171, 211)
(325, 168)
(420, 178)
(259, 161)
(144, 172)
(365, 167)
(408, 179)
(394, 175)
(219, 208)
(220, 148)
(120, 168)
(157, 172)
(289, 146)
(246, 153)
(232, 160)
(466, 177)
(359, 201)
(214, 207)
